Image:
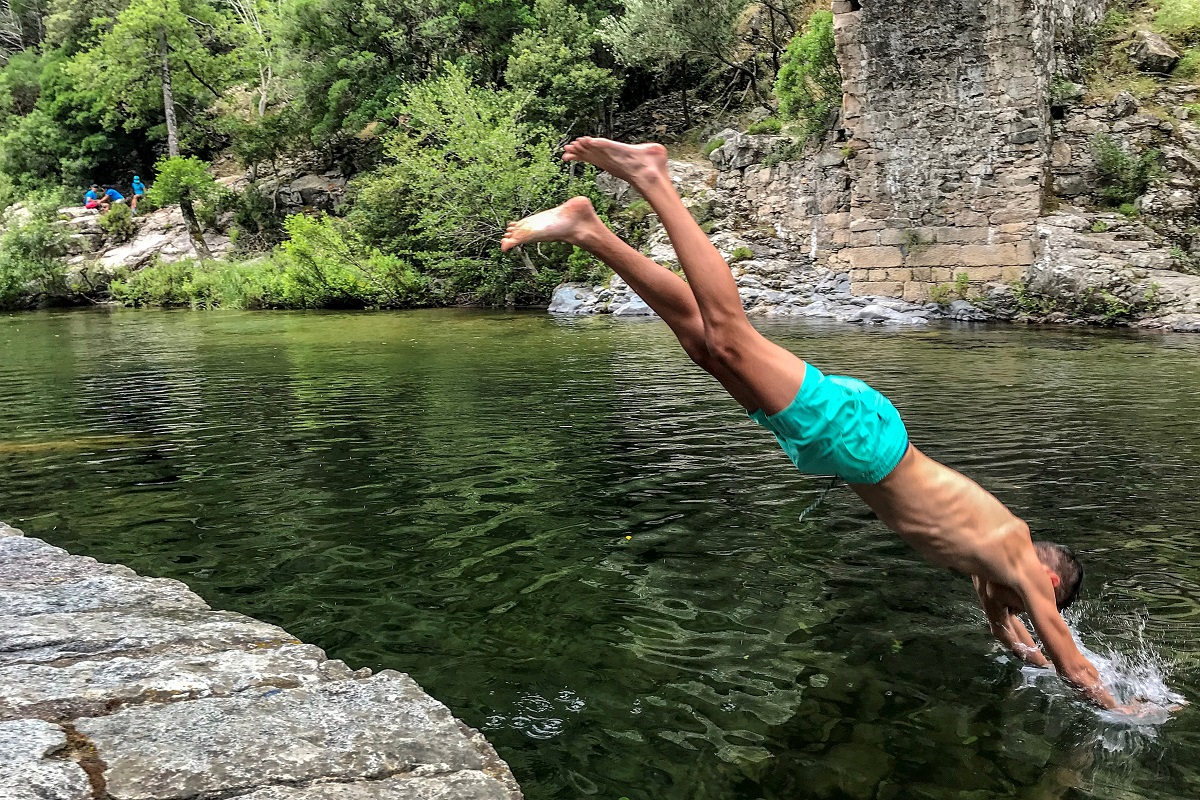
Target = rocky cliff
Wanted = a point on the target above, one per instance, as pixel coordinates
(958, 182)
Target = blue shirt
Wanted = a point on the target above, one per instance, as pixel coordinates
(91, 195)
(113, 194)
(139, 187)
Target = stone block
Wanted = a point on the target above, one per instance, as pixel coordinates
(962, 235)
(345, 730)
(971, 219)
(881, 288)
(922, 273)
(866, 225)
(1010, 215)
(1010, 274)
(942, 274)
(875, 257)
(934, 255)
(867, 239)
(859, 275)
(983, 273)
(990, 255)
(914, 292)
(898, 274)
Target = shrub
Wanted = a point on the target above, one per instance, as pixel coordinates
(809, 84)
(713, 145)
(962, 285)
(940, 293)
(1124, 176)
(32, 246)
(740, 254)
(464, 164)
(768, 125)
(1099, 226)
(1188, 66)
(118, 224)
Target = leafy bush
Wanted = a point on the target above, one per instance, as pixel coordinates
(1124, 176)
(322, 265)
(466, 163)
(809, 84)
(1189, 64)
(713, 145)
(741, 254)
(32, 246)
(768, 125)
(940, 293)
(962, 285)
(118, 224)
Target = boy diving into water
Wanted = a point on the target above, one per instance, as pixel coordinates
(829, 424)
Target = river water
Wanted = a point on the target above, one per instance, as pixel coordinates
(567, 534)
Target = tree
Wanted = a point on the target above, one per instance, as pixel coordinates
(664, 36)
(185, 181)
(465, 163)
(555, 62)
(810, 83)
(159, 55)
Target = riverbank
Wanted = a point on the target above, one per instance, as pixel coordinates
(114, 685)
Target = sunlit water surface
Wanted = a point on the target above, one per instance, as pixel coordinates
(566, 533)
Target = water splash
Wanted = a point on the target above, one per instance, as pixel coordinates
(1133, 670)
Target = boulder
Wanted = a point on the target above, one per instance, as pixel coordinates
(1151, 53)
(740, 150)
(1123, 105)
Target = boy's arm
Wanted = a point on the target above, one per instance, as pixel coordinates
(1038, 596)
(1008, 629)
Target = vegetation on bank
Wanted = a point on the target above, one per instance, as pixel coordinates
(447, 117)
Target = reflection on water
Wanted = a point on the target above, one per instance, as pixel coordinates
(568, 534)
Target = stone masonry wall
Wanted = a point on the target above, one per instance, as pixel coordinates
(945, 106)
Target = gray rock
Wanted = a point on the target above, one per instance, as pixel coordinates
(1123, 105)
(634, 307)
(49, 638)
(93, 688)
(1151, 53)
(27, 769)
(465, 785)
(347, 730)
(37, 578)
(569, 298)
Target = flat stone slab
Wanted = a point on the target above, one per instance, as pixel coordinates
(347, 730)
(27, 769)
(50, 638)
(94, 688)
(121, 687)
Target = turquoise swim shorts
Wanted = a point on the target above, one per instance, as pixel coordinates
(839, 426)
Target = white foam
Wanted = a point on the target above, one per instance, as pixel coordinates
(1134, 672)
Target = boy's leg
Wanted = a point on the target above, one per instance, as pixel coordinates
(575, 222)
(771, 374)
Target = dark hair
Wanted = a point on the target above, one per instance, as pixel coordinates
(1063, 562)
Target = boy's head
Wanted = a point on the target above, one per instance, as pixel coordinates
(1066, 571)
(95, 188)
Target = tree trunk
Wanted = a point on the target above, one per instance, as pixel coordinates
(687, 111)
(189, 216)
(168, 97)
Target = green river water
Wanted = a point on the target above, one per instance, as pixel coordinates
(568, 534)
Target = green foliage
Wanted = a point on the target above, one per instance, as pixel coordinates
(962, 285)
(713, 145)
(181, 178)
(322, 265)
(740, 254)
(1098, 306)
(768, 125)
(1124, 176)
(554, 61)
(809, 85)
(1099, 226)
(940, 293)
(118, 224)
(1179, 19)
(1189, 65)
(32, 246)
(1129, 209)
(464, 164)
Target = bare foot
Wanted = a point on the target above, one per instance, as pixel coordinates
(566, 223)
(636, 164)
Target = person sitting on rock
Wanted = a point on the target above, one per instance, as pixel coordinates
(95, 199)
(829, 424)
(112, 196)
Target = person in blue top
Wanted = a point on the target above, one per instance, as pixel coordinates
(139, 191)
(94, 199)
